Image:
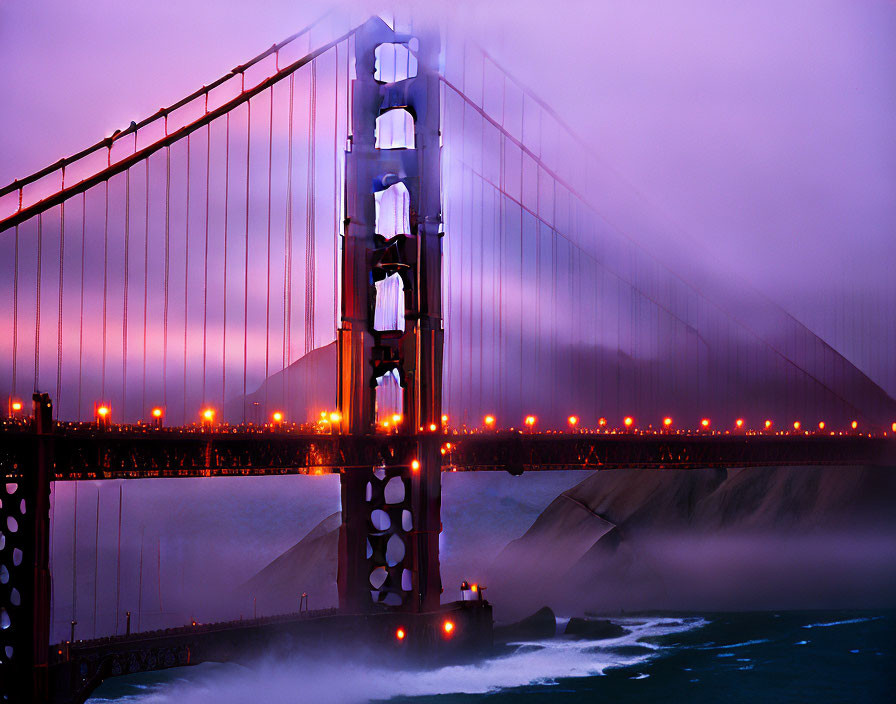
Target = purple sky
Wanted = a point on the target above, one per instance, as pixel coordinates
(762, 129)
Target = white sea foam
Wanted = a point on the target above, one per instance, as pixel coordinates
(319, 680)
(841, 623)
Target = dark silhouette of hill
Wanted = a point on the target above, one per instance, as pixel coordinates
(307, 567)
(774, 537)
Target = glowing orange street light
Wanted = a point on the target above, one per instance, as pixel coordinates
(573, 421)
(489, 421)
(277, 417)
(705, 422)
(335, 417)
(400, 633)
(855, 424)
(156, 412)
(796, 425)
(768, 424)
(667, 421)
(629, 421)
(893, 427)
(601, 422)
(739, 422)
(474, 588)
(102, 415)
(821, 425)
(448, 628)
(432, 427)
(208, 416)
(16, 406)
(415, 465)
(444, 418)
(396, 418)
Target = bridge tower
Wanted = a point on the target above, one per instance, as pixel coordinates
(389, 538)
(25, 562)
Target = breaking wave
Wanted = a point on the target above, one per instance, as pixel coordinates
(347, 681)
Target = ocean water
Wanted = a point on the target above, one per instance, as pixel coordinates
(842, 656)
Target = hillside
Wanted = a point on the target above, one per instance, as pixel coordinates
(774, 537)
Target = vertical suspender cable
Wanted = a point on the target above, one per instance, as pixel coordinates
(124, 294)
(74, 557)
(15, 310)
(482, 130)
(145, 284)
(54, 497)
(226, 222)
(246, 260)
(186, 280)
(287, 269)
(105, 286)
(40, 239)
(167, 271)
(96, 557)
(118, 561)
(267, 308)
(140, 582)
(81, 292)
(208, 167)
(446, 167)
(310, 214)
(460, 237)
(59, 314)
(336, 189)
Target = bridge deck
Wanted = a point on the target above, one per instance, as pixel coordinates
(84, 452)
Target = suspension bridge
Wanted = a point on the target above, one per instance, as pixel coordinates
(378, 254)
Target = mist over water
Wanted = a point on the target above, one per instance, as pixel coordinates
(353, 678)
(760, 656)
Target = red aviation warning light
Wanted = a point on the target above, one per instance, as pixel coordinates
(448, 628)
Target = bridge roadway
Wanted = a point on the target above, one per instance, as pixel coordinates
(86, 452)
(77, 669)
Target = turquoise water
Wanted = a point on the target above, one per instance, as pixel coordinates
(747, 657)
